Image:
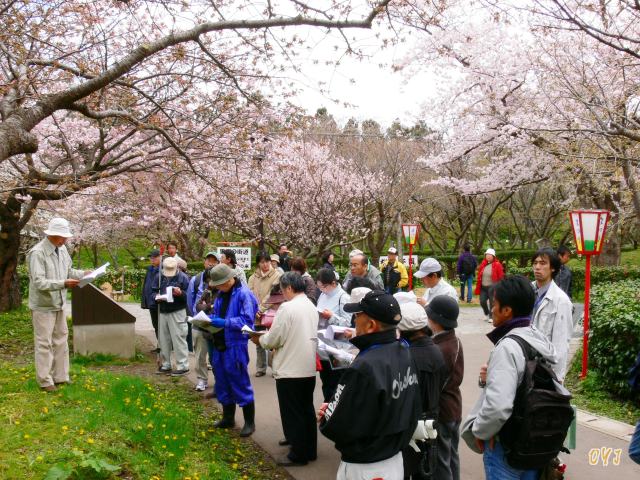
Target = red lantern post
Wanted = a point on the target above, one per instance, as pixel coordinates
(589, 228)
(410, 233)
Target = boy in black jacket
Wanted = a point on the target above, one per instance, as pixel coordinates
(375, 409)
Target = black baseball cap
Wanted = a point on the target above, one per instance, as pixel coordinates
(378, 305)
(154, 253)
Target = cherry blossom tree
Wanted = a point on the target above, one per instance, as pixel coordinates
(136, 71)
(527, 102)
(293, 191)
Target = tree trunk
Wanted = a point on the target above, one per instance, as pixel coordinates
(611, 250)
(94, 254)
(9, 248)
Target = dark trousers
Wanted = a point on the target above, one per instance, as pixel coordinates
(295, 398)
(154, 319)
(330, 379)
(448, 464)
(486, 300)
(189, 338)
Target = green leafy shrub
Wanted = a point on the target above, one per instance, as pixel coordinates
(615, 332)
(89, 466)
(133, 280)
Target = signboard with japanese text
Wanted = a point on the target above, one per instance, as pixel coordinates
(243, 256)
(405, 259)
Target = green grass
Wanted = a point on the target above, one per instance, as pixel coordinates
(589, 395)
(101, 359)
(146, 429)
(16, 332)
(631, 257)
(110, 425)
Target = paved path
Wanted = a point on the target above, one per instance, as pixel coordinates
(476, 349)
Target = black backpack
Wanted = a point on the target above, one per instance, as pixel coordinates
(542, 414)
(468, 265)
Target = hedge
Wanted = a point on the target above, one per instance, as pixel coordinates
(133, 280)
(599, 275)
(134, 277)
(615, 332)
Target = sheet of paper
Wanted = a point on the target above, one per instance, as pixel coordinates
(169, 294)
(201, 316)
(203, 324)
(335, 330)
(248, 331)
(91, 276)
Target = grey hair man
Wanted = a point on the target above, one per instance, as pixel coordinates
(50, 274)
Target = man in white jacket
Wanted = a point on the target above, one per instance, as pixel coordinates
(552, 311)
(293, 337)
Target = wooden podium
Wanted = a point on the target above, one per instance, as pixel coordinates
(100, 325)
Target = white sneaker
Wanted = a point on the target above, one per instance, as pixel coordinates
(201, 386)
(489, 319)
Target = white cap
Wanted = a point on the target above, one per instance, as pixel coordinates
(414, 317)
(392, 250)
(358, 294)
(58, 227)
(355, 252)
(405, 297)
(428, 265)
(169, 267)
(490, 251)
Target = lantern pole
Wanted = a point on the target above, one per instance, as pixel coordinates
(585, 322)
(410, 266)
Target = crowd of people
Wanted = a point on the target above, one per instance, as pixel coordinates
(409, 363)
(394, 407)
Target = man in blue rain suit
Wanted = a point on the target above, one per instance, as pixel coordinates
(234, 308)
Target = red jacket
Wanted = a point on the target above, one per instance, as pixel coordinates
(497, 273)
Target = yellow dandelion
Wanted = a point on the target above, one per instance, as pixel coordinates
(26, 436)
(90, 441)
(17, 422)
(181, 468)
(39, 458)
(45, 410)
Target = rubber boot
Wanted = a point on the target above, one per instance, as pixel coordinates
(228, 417)
(249, 412)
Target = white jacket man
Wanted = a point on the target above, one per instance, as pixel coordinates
(554, 318)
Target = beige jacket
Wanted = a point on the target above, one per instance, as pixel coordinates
(260, 284)
(294, 338)
(47, 274)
